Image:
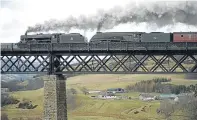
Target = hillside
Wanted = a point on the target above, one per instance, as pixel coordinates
(19, 77)
(101, 82)
(92, 109)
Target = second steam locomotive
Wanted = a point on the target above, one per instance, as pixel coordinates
(111, 37)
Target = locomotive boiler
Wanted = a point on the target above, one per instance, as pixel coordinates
(117, 36)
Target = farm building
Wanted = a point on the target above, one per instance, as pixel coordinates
(94, 91)
(115, 90)
(4, 90)
(146, 97)
(106, 95)
(167, 96)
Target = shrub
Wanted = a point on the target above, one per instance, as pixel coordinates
(84, 90)
(26, 104)
(6, 100)
(74, 91)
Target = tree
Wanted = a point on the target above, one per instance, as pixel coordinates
(73, 91)
(71, 100)
(6, 99)
(129, 88)
(195, 91)
(167, 109)
(84, 90)
(26, 104)
(186, 104)
(189, 107)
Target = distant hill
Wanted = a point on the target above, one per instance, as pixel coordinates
(18, 77)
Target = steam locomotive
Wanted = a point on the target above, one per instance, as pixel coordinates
(111, 37)
(145, 37)
(53, 38)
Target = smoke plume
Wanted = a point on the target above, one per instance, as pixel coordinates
(157, 13)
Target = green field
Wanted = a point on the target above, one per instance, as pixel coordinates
(93, 109)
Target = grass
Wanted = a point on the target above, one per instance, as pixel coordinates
(93, 109)
(117, 109)
(36, 96)
(102, 82)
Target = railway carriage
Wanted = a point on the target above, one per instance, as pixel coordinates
(185, 37)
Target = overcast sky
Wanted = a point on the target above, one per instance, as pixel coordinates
(17, 15)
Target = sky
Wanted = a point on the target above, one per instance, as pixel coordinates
(17, 15)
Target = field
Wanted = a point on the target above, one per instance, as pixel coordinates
(93, 109)
(102, 82)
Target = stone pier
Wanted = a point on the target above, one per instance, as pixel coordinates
(55, 107)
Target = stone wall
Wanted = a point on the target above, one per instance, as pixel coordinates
(55, 107)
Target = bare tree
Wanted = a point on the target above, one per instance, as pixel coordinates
(167, 108)
(187, 104)
(71, 100)
(73, 91)
(189, 107)
(84, 90)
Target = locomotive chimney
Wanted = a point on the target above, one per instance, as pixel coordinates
(26, 33)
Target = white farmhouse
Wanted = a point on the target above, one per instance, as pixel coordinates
(94, 91)
(4, 90)
(106, 95)
(146, 97)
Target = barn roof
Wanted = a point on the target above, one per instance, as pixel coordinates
(107, 94)
(167, 95)
(113, 89)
